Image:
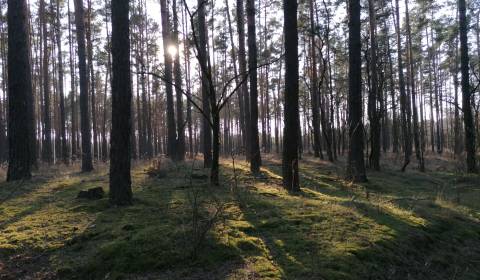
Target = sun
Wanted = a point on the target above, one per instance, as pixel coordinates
(172, 50)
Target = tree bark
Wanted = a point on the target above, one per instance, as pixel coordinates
(373, 113)
(242, 61)
(255, 160)
(20, 105)
(120, 181)
(180, 148)
(416, 130)
(356, 164)
(63, 133)
(47, 151)
(466, 91)
(291, 106)
(87, 164)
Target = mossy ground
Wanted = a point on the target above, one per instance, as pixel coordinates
(396, 226)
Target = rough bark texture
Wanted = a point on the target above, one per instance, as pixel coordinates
(120, 181)
(255, 159)
(203, 60)
(242, 62)
(20, 97)
(466, 91)
(356, 164)
(292, 118)
(87, 164)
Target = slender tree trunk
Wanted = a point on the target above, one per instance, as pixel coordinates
(171, 127)
(416, 133)
(255, 160)
(314, 87)
(92, 78)
(178, 88)
(63, 133)
(73, 88)
(206, 90)
(243, 70)
(47, 152)
(87, 164)
(373, 113)
(403, 96)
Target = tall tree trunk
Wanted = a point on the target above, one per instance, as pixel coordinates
(242, 61)
(87, 164)
(403, 95)
(120, 181)
(171, 128)
(314, 87)
(203, 61)
(235, 72)
(373, 113)
(188, 84)
(20, 105)
(356, 164)
(416, 130)
(47, 151)
(92, 78)
(178, 88)
(73, 88)
(291, 106)
(255, 160)
(63, 133)
(466, 91)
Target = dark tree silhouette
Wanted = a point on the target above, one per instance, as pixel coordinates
(292, 118)
(120, 181)
(20, 105)
(466, 91)
(356, 164)
(255, 159)
(87, 164)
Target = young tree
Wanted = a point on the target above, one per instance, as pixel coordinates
(292, 118)
(120, 181)
(87, 164)
(20, 105)
(466, 91)
(356, 164)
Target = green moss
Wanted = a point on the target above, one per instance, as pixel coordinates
(410, 223)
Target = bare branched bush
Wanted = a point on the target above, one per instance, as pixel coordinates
(204, 211)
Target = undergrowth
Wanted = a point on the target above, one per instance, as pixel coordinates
(396, 226)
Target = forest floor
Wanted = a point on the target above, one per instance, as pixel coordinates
(397, 226)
